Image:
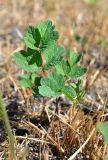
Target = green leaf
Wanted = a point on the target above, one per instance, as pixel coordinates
(79, 90)
(25, 81)
(77, 71)
(29, 80)
(73, 57)
(47, 32)
(103, 128)
(106, 158)
(35, 57)
(32, 37)
(55, 81)
(47, 91)
(52, 85)
(63, 67)
(53, 54)
(35, 86)
(69, 92)
(33, 78)
(80, 94)
(79, 85)
(22, 59)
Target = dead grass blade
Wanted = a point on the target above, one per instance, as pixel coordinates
(80, 149)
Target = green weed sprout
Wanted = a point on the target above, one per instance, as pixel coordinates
(47, 72)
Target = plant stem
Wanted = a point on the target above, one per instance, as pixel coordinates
(4, 116)
(57, 106)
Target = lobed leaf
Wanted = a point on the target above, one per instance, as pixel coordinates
(69, 92)
(73, 57)
(35, 57)
(63, 67)
(77, 71)
(53, 54)
(22, 59)
(47, 91)
(32, 37)
(52, 85)
(47, 32)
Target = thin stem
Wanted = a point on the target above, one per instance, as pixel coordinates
(11, 138)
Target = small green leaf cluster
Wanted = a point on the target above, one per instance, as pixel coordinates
(47, 72)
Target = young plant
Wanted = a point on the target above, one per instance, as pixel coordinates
(47, 72)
